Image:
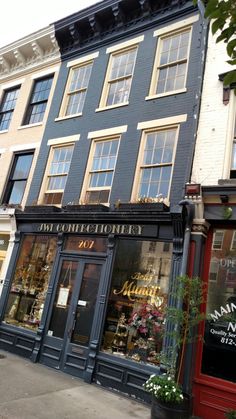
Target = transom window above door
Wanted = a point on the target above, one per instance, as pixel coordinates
(57, 172)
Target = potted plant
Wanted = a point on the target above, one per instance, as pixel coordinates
(182, 316)
(169, 400)
(231, 414)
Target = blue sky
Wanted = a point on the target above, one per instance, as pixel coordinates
(23, 17)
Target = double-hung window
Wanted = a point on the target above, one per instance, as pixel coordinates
(58, 168)
(157, 162)
(172, 63)
(119, 74)
(218, 239)
(18, 178)
(120, 77)
(101, 171)
(172, 58)
(38, 100)
(7, 107)
(76, 89)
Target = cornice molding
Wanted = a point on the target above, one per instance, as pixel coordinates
(29, 52)
(111, 18)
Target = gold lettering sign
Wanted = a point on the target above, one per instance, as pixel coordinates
(124, 229)
(131, 290)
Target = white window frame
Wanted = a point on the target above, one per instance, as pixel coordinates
(114, 51)
(218, 231)
(74, 65)
(101, 135)
(89, 171)
(169, 31)
(53, 144)
(155, 126)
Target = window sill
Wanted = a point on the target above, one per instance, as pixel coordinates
(61, 118)
(105, 108)
(174, 92)
(30, 125)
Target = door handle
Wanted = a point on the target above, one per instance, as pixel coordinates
(73, 327)
(71, 330)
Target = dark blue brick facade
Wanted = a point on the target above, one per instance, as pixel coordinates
(138, 110)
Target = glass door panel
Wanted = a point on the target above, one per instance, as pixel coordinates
(63, 298)
(219, 348)
(86, 304)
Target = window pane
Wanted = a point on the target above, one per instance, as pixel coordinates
(220, 337)
(75, 103)
(30, 283)
(58, 172)
(174, 49)
(103, 165)
(119, 92)
(38, 101)
(17, 192)
(122, 64)
(18, 178)
(22, 167)
(7, 107)
(135, 319)
(233, 165)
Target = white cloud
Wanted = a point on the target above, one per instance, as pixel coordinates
(20, 18)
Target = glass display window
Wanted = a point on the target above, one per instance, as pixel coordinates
(134, 323)
(30, 282)
(220, 326)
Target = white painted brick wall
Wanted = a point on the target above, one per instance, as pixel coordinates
(215, 130)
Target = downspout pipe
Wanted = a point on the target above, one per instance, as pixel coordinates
(189, 205)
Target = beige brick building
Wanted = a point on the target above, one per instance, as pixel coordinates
(28, 74)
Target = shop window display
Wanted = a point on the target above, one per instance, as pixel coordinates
(135, 320)
(30, 281)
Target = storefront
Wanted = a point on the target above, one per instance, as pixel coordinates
(215, 377)
(7, 234)
(87, 297)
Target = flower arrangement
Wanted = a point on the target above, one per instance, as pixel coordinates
(147, 320)
(164, 388)
(148, 199)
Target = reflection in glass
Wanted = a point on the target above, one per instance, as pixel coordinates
(63, 296)
(135, 319)
(86, 304)
(30, 283)
(219, 349)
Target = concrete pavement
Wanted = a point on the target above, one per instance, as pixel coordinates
(33, 391)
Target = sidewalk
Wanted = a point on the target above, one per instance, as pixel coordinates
(33, 391)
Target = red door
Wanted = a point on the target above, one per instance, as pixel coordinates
(215, 377)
